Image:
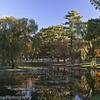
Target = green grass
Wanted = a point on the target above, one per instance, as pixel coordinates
(97, 97)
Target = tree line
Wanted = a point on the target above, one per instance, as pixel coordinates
(19, 40)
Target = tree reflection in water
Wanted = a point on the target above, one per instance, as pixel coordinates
(29, 86)
(5, 88)
(13, 84)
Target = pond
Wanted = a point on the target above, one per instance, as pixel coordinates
(33, 83)
(18, 82)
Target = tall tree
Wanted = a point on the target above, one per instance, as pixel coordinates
(75, 24)
(14, 34)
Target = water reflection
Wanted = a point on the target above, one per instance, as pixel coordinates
(29, 87)
(35, 83)
(14, 83)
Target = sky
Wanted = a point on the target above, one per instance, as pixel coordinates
(47, 12)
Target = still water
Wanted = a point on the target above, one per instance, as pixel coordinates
(33, 83)
(17, 83)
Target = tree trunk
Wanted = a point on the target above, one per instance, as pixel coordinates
(13, 64)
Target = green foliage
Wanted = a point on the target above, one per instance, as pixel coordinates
(75, 25)
(92, 36)
(74, 22)
(96, 3)
(48, 38)
(14, 35)
(93, 29)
